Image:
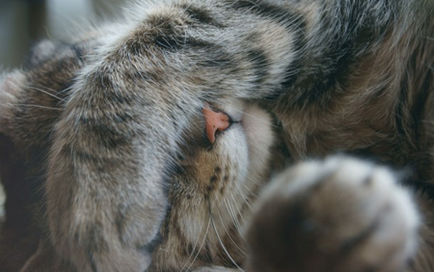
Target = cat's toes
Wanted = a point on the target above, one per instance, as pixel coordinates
(340, 214)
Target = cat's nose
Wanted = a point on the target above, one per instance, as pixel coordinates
(216, 122)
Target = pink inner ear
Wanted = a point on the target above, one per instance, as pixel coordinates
(215, 122)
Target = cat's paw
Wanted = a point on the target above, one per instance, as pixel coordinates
(336, 215)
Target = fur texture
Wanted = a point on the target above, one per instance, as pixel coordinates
(107, 166)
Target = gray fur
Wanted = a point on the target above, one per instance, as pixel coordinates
(110, 129)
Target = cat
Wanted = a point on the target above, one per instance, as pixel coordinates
(263, 135)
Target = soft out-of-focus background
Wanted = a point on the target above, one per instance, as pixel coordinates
(24, 22)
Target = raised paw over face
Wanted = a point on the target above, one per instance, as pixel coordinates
(336, 215)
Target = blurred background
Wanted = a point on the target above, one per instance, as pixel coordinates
(24, 22)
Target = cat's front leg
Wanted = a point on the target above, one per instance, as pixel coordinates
(340, 214)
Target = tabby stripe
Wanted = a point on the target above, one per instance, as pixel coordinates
(278, 14)
(350, 37)
(260, 63)
(103, 82)
(332, 63)
(201, 15)
(335, 62)
(292, 71)
(178, 42)
(110, 136)
(216, 55)
(269, 11)
(88, 157)
(295, 25)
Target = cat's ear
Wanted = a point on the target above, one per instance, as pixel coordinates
(11, 88)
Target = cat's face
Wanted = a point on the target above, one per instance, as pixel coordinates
(214, 183)
(216, 180)
(211, 192)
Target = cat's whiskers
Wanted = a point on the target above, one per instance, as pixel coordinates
(187, 268)
(33, 105)
(45, 92)
(241, 193)
(16, 86)
(38, 106)
(231, 211)
(235, 218)
(218, 236)
(235, 221)
(249, 190)
(232, 215)
(256, 118)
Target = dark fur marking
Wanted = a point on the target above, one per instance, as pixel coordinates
(260, 64)
(119, 97)
(293, 69)
(353, 37)
(266, 10)
(95, 242)
(293, 221)
(201, 15)
(151, 246)
(108, 135)
(347, 246)
(96, 160)
(79, 52)
(169, 38)
(206, 254)
(213, 179)
(139, 76)
(295, 25)
(368, 181)
(190, 249)
(218, 58)
(123, 117)
(177, 43)
(92, 262)
(421, 187)
(83, 156)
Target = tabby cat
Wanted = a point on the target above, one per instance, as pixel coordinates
(225, 135)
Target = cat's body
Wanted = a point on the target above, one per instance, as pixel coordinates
(109, 164)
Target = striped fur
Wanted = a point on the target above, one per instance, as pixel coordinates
(105, 160)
